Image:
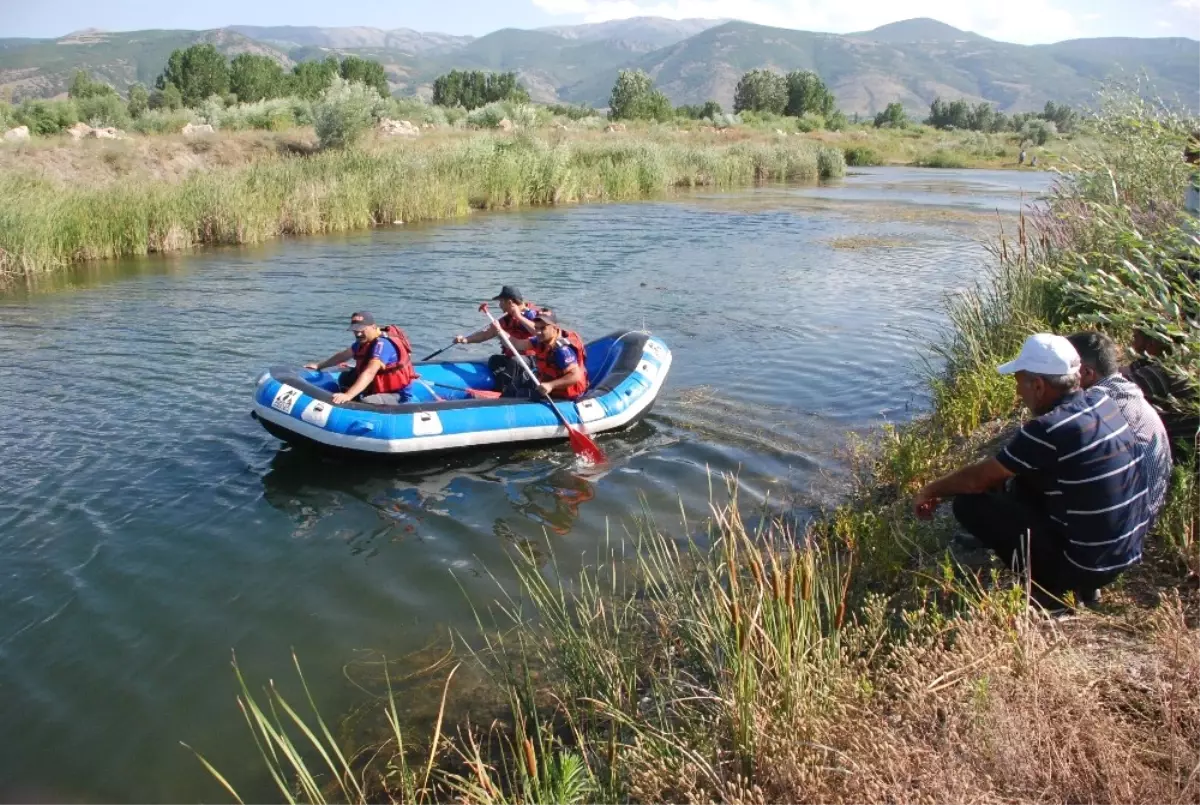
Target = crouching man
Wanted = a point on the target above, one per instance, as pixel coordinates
(1077, 510)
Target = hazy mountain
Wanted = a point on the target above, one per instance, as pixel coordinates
(912, 61)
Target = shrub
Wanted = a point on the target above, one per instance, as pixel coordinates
(571, 111)
(103, 110)
(861, 156)
(942, 158)
(810, 122)
(47, 117)
(7, 115)
(487, 117)
(634, 97)
(892, 117)
(139, 100)
(345, 112)
(164, 121)
(1038, 131)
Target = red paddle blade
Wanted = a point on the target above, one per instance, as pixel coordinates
(483, 394)
(585, 448)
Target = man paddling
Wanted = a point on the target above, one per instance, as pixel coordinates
(1075, 510)
(559, 357)
(517, 323)
(382, 369)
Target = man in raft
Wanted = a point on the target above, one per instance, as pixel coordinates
(382, 368)
(1077, 509)
(517, 322)
(558, 355)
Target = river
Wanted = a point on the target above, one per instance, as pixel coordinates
(149, 526)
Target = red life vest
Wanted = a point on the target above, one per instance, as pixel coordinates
(547, 371)
(391, 378)
(513, 328)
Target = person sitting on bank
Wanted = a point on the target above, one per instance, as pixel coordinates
(382, 368)
(559, 357)
(1101, 368)
(1078, 488)
(517, 322)
(1172, 395)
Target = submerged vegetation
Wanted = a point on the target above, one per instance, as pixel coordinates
(860, 659)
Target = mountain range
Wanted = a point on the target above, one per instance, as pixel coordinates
(695, 60)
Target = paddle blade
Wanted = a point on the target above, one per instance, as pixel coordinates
(585, 447)
(483, 394)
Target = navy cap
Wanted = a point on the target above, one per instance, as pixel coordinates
(361, 321)
(546, 316)
(508, 292)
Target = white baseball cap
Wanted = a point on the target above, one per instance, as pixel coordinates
(1044, 354)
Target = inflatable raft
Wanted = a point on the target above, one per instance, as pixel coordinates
(626, 370)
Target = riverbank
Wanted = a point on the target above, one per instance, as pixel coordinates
(251, 189)
(869, 661)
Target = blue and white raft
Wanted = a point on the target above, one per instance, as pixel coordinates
(626, 370)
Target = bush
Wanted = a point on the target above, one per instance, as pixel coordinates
(810, 122)
(139, 100)
(270, 115)
(892, 117)
(634, 97)
(860, 156)
(103, 110)
(345, 112)
(7, 116)
(47, 117)
(836, 121)
(571, 111)
(831, 163)
(1038, 131)
(487, 117)
(761, 91)
(164, 121)
(942, 158)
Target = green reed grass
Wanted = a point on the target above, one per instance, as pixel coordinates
(44, 224)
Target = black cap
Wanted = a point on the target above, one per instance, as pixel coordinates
(361, 321)
(546, 316)
(508, 292)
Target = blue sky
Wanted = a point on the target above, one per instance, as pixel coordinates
(1026, 21)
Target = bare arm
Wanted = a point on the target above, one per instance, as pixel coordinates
(971, 479)
(574, 374)
(478, 336)
(364, 380)
(340, 357)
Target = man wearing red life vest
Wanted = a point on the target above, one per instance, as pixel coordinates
(382, 368)
(559, 356)
(517, 323)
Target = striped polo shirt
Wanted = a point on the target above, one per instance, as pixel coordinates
(1083, 457)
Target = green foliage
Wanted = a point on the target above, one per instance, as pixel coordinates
(345, 112)
(1062, 116)
(168, 97)
(1037, 131)
(103, 110)
(892, 117)
(199, 72)
(807, 94)
(163, 121)
(861, 156)
(472, 89)
(943, 158)
(139, 100)
(7, 115)
(709, 110)
(634, 97)
(47, 117)
(810, 122)
(367, 72)
(836, 120)
(761, 91)
(255, 78)
(311, 78)
(82, 86)
(571, 111)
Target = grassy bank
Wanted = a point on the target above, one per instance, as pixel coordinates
(863, 660)
(48, 222)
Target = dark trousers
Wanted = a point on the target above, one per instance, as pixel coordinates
(1002, 521)
(510, 380)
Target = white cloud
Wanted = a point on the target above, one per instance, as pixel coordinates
(1012, 21)
(1187, 5)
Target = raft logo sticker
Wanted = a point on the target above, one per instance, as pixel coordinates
(317, 413)
(285, 398)
(655, 349)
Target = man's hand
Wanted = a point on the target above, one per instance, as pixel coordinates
(340, 398)
(460, 339)
(509, 306)
(316, 366)
(925, 504)
(546, 388)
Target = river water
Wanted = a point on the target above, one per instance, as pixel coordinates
(149, 526)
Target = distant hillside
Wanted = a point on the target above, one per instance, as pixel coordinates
(912, 61)
(45, 67)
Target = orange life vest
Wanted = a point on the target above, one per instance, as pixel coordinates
(547, 371)
(513, 328)
(391, 378)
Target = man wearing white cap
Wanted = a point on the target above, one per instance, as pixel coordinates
(1080, 495)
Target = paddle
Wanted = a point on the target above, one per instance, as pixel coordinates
(433, 355)
(581, 443)
(481, 393)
